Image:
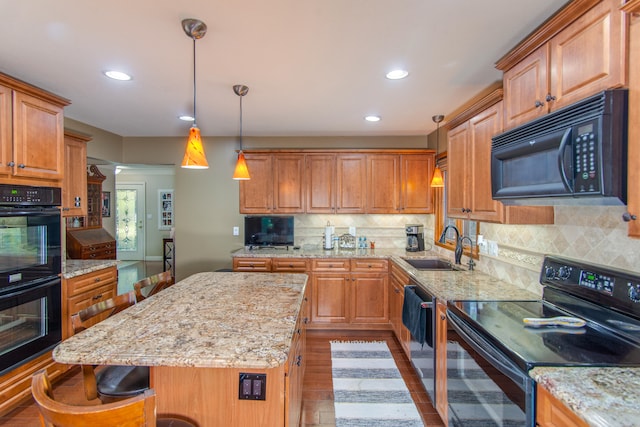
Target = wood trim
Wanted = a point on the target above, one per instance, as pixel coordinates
(41, 94)
(475, 106)
(340, 151)
(545, 32)
(632, 6)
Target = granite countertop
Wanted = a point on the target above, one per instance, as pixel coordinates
(219, 320)
(603, 397)
(318, 252)
(77, 267)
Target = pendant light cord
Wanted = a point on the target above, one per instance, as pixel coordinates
(194, 83)
(241, 122)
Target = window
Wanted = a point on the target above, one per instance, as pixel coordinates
(466, 227)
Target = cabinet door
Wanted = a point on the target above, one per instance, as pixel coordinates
(6, 127)
(369, 298)
(288, 176)
(525, 88)
(589, 55)
(458, 171)
(550, 412)
(441, 360)
(256, 194)
(321, 183)
(416, 195)
(481, 128)
(75, 181)
(329, 298)
(38, 140)
(351, 183)
(633, 140)
(383, 183)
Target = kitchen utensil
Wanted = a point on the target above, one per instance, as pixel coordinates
(565, 321)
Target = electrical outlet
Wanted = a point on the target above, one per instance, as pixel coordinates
(492, 247)
(352, 231)
(236, 231)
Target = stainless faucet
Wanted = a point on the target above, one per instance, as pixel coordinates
(458, 251)
(471, 264)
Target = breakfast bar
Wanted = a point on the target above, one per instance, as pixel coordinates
(200, 337)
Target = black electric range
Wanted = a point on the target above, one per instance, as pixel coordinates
(607, 299)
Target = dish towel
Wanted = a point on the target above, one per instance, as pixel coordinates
(414, 317)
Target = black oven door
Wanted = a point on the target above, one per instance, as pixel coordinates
(30, 322)
(30, 244)
(484, 387)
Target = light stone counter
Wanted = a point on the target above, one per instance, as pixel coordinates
(219, 320)
(603, 397)
(77, 267)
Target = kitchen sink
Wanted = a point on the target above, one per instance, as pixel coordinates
(431, 264)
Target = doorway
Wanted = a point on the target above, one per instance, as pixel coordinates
(130, 224)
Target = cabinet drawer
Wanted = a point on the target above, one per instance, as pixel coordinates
(368, 264)
(90, 281)
(289, 265)
(99, 251)
(331, 264)
(252, 264)
(398, 274)
(80, 302)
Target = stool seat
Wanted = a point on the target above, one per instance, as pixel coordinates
(172, 422)
(122, 381)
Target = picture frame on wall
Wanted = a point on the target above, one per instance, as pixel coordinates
(106, 203)
(165, 209)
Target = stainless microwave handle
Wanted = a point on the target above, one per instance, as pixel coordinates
(566, 137)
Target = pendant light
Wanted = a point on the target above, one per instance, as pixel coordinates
(437, 181)
(241, 172)
(194, 156)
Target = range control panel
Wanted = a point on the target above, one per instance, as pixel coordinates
(620, 287)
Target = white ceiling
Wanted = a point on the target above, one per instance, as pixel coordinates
(313, 67)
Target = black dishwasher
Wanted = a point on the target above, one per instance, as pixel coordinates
(423, 353)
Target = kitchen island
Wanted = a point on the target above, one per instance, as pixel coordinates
(200, 336)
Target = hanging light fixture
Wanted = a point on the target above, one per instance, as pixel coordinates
(437, 181)
(241, 172)
(194, 156)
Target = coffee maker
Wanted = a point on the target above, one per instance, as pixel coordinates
(415, 237)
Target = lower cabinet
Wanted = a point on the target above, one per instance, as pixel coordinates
(85, 290)
(441, 360)
(550, 412)
(252, 264)
(398, 279)
(294, 376)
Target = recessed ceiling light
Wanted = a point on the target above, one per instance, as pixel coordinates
(186, 118)
(372, 118)
(397, 74)
(117, 75)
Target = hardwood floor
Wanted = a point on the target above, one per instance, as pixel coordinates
(317, 410)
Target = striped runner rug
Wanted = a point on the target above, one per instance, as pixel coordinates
(368, 388)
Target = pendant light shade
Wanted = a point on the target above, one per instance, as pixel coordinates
(437, 181)
(194, 156)
(241, 172)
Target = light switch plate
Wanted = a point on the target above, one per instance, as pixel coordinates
(236, 231)
(352, 231)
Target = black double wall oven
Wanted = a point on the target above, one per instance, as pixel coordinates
(30, 266)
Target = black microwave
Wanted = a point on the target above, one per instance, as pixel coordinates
(576, 155)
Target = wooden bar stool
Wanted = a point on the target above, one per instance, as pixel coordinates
(152, 285)
(110, 383)
(137, 411)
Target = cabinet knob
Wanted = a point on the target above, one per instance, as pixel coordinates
(443, 317)
(299, 361)
(397, 291)
(550, 98)
(97, 279)
(538, 103)
(22, 166)
(626, 217)
(11, 163)
(97, 297)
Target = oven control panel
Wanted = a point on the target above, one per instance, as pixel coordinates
(596, 281)
(23, 195)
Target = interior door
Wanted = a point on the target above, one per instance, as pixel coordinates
(130, 224)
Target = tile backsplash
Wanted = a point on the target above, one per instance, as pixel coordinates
(594, 234)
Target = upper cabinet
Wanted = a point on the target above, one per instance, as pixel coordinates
(31, 134)
(578, 52)
(74, 190)
(276, 184)
(349, 182)
(633, 150)
(469, 167)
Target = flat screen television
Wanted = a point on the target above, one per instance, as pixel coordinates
(268, 231)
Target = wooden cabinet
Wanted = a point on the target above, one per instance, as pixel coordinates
(469, 168)
(398, 279)
(550, 412)
(74, 189)
(94, 243)
(276, 184)
(579, 52)
(349, 293)
(441, 359)
(85, 290)
(383, 177)
(321, 183)
(95, 178)
(633, 139)
(289, 265)
(416, 195)
(31, 134)
(351, 170)
(294, 376)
